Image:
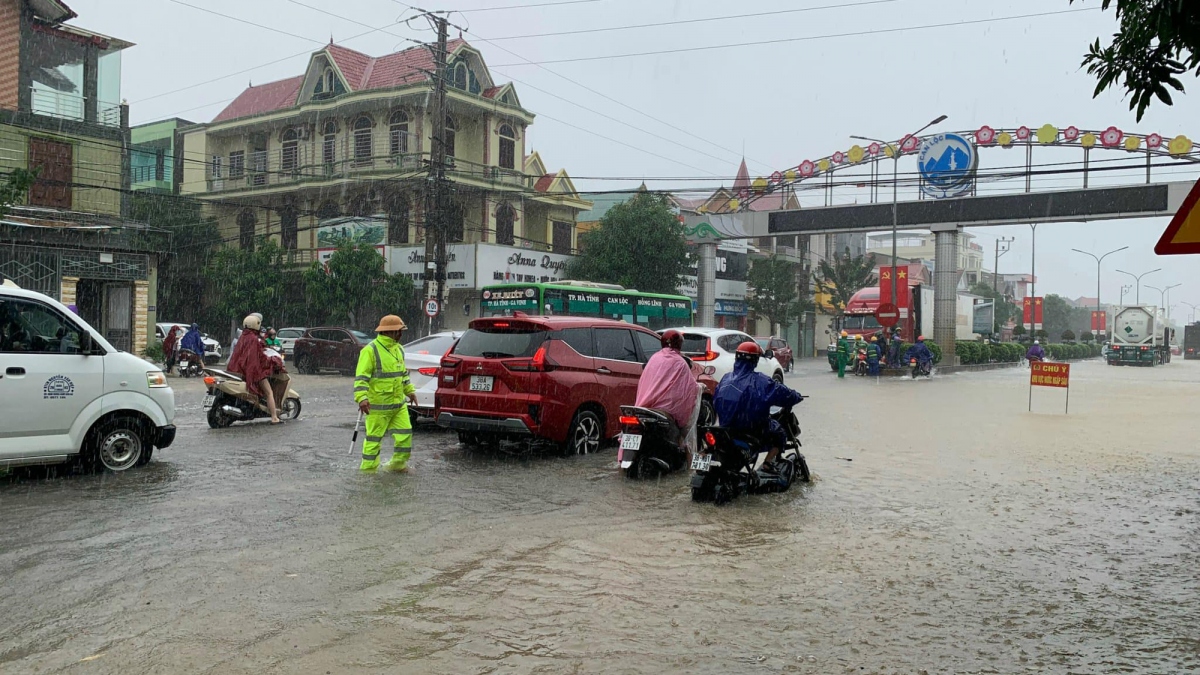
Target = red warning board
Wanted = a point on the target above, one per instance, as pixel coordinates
(1182, 235)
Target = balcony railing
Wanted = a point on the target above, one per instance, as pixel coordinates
(290, 166)
(73, 107)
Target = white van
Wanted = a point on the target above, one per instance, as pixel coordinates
(66, 393)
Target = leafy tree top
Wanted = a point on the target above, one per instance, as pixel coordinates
(638, 244)
(843, 275)
(775, 296)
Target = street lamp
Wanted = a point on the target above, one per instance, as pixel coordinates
(896, 188)
(1164, 297)
(1138, 278)
(1192, 319)
(1125, 288)
(1098, 261)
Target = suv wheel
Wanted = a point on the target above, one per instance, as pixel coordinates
(305, 365)
(778, 377)
(585, 434)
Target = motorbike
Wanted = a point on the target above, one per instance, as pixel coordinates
(732, 463)
(229, 401)
(919, 368)
(860, 362)
(190, 363)
(650, 443)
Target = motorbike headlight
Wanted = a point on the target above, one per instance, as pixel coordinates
(156, 379)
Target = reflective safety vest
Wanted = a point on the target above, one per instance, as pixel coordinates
(381, 376)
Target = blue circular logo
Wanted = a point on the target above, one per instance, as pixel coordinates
(947, 166)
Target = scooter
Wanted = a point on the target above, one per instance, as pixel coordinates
(860, 363)
(191, 364)
(731, 463)
(650, 444)
(919, 368)
(229, 401)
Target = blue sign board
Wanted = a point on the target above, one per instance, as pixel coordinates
(947, 166)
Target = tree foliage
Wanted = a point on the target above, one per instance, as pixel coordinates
(843, 276)
(1157, 41)
(14, 188)
(185, 241)
(240, 281)
(1005, 311)
(354, 288)
(775, 295)
(638, 244)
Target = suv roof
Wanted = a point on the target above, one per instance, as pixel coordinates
(553, 322)
(706, 331)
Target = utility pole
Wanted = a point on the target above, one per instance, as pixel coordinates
(435, 195)
(996, 267)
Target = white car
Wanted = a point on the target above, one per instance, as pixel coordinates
(212, 348)
(287, 338)
(716, 347)
(68, 394)
(423, 357)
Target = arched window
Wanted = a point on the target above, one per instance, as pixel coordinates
(460, 76)
(508, 147)
(358, 206)
(246, 229)
(328, 209)
(362, 140)
(451, 130)
(288, 227)
(329, 144)
(398, 133)
(504, 225)
(397, 215)
(290, 154)
(330, 80)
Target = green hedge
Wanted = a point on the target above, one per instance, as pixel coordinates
(970, 352)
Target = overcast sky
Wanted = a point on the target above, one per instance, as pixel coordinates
(777, 103)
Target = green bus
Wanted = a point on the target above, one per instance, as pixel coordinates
(580, 298)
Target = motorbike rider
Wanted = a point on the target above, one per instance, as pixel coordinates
(193, 341)
(667, 384)
(873, 353)
(745, 396)
(843, 353)
(897, 342)
(273, 342)
(1036, 353)
(250, 361)
(920, 351)
(169, 344)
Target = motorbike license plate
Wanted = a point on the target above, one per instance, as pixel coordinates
(481, 383)
(701, 462)
(631, 442)
(208, 401)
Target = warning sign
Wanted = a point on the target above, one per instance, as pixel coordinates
(1182, 235)
(1043, 374)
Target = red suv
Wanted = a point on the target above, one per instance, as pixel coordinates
(555, 378)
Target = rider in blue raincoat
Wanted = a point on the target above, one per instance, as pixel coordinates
(920, 352)
(745, 397)
(192, 341)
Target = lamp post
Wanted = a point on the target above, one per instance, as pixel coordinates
(1138, 279)
(1192, 318)
(1164, 297)
(1124, 289)
(896, 188)
(1098, 261)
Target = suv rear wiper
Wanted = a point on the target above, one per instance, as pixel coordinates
(496, 355)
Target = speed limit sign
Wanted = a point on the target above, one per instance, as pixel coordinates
(431, 307)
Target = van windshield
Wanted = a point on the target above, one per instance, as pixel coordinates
(500, 343)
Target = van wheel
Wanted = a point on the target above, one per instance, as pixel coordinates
(118, 445)
(584, 435)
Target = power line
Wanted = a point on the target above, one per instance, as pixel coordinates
(681, 22)
(531, 6)
(248, 23)
(878, 31)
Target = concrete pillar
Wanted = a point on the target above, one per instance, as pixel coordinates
(706, 285)
(945, 290)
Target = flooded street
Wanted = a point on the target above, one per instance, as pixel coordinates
(959, 534)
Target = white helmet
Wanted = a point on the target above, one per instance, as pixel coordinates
(1036, 342)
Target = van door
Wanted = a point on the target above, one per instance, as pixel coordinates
(45, 379)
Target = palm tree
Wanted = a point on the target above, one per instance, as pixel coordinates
(843, 276)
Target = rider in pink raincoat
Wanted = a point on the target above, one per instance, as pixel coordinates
(667, 384)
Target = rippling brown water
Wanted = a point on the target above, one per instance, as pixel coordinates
(966, 535)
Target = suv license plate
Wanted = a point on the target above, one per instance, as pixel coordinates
(481, 383)
(701, 462)
(631, 442)
(208, 401)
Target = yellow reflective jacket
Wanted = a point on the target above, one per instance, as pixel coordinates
(381, 376)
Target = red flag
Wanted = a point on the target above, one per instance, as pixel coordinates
(1027, 309)
(885, 285)
(902, 288)
(1037, 312)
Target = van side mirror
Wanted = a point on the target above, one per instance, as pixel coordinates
(86, 344)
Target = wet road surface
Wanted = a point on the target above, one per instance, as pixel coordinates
(966, 535)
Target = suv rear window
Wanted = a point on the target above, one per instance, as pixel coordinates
(731, 342)
(694, 344)
(500, 344)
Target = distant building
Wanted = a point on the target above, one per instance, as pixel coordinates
(920, 246)
(155, 164)
(60, 113)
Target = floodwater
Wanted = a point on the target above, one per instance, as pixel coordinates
(960, 533)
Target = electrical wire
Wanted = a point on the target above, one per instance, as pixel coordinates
(530, 6)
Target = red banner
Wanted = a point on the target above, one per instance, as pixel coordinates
(1099, 322)
(1032, 306)
(902, 289)
(1043, 374)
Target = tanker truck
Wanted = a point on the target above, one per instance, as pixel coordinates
(1139, 337)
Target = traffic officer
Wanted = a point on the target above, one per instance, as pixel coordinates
(843, 353)
(381, 385)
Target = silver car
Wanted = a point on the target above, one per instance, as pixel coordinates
(424, 358)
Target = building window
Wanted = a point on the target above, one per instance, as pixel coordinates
(53, 161)
(289, 155)
(362, 140)
(508, 147)
(328, 209)
(504, 225)
(288, 228)
(246, 225)
(329, 144)
(237, 163)
(216, 166)
(454, 223)
(159, 164)
(330, 80)
(398, 133)
(562, 237)
(460, 76)
(451, 130)
(397, 215)
(358, 206)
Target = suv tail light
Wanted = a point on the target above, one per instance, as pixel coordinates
(448, 367)
(708, 355)
(538, 364)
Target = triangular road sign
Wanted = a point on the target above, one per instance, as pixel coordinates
(1182, 236)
